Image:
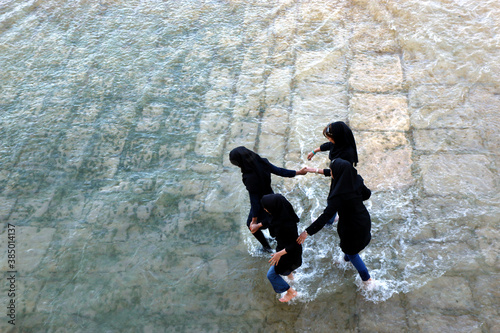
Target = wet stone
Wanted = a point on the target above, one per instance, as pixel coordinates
(321, 66)
(388, 316)
(381, 73)
(456, 174)
(315, 36)
(489, 243)
(325, 99)
(443, 323)
(385, 160)
(444, 293)
(379, 112)
(373, 38)
(434, 106)
(439, 140)
(278, 87)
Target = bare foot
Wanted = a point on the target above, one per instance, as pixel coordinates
(369, 284)
(290, 293)
(290, 276)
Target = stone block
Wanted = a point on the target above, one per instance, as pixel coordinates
(444, 293)
(320, 11)
(451, 139)
(320, 36)
(242, 134)
(449, 174)
(328, 66)
(278, 87)
(275, 121)
(272, 146)
(388, 316)
(385, 160)
(379, 112)
(489, 243)
(329, 101)
(381, 73)
(434, 106)
(211, 136)
(373, 38)
(446, 323)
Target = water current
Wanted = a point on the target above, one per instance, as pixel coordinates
(116, 122)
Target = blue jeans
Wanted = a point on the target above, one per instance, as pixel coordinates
(359, 264)
(279, 285)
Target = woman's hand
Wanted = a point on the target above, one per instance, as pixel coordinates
(254, 227)
(302, 237)
(311, 154)
(302, 171)
(275, 258)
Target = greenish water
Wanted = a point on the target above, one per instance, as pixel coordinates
(115, 125)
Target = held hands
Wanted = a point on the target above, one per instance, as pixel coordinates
(313, 170)
(302, 171)
(302, 237)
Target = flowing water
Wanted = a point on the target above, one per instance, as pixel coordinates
(117, 118)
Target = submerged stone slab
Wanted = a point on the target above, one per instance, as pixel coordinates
(278, 87)
(327, 100)
(381, 73)
(328, 66)
(446, 323)
(242, 134)
(433, 106)
(373, 38)
(450, 139)
(446, 292)
(321, 36)
(388, 316)
(489, 242)
(385, 160)
(456, 174)
(320, 11)
(379, 112)
(210, 138)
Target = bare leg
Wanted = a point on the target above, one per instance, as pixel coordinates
(290, 293)
(290, 276)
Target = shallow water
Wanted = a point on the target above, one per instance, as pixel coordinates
(117, 119)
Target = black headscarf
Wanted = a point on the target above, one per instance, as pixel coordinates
(345, 145)
(256, 171)
(280, 209)
(283, 226)
(345, 179)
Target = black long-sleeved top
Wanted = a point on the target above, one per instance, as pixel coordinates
(255, 207)
(354, 224)
(286, 236)
(347, 154)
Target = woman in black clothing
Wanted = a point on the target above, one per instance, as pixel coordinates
(288, 256)
(341, 144)
(256, 175)
(347, 192)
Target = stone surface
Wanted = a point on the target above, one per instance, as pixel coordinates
(464, 174)
(381, 73)
(379, 113)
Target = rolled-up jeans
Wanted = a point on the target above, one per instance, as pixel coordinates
(278, 283)
(359, 265)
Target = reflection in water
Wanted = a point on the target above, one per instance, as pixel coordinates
(117, 119)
